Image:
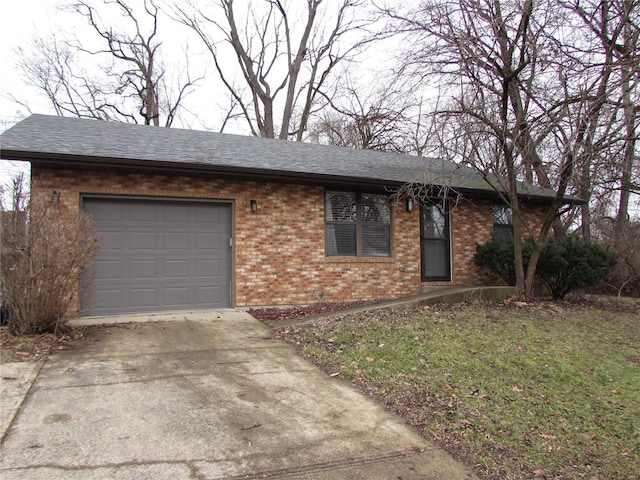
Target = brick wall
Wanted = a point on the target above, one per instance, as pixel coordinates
(279, 250)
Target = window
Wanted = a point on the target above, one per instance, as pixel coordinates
(435, 239)
(502, 223)
(357, 225)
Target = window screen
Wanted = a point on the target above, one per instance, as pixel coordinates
(502, 223)
(357, 224)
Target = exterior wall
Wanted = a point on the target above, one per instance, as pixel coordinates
(471, 223)
(279, 250)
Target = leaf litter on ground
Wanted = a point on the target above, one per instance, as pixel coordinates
(514, 390)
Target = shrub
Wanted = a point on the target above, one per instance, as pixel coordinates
(564, 265)
(44, 252)
(497, 256)
(571, 264)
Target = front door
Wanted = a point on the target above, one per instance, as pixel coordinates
(435, 239)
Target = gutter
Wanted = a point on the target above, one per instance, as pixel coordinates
(81, 162)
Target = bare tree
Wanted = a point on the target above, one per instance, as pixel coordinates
(371, 119)
(610, 155)
(285, 56)
(129, 82)
(520, 108)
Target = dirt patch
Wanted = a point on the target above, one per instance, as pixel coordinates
(290, 313)
(33, 348)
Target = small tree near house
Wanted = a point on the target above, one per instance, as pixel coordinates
(45, 249)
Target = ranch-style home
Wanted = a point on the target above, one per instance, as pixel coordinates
(199, 220)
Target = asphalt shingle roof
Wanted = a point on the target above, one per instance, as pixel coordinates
(87, 141)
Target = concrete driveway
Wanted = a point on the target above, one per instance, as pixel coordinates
(207, 396)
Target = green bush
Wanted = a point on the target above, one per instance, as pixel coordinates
(497, 256)
(564, 265)
(571, 264)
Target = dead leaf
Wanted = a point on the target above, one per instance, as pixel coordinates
(369, 359)
(517, 389)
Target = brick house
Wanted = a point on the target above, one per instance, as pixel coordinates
(194, 220)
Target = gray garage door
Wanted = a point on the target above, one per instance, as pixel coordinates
(159, 255)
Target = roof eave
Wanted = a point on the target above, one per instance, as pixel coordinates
(74, 162)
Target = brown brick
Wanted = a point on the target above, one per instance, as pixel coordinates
(279, 250)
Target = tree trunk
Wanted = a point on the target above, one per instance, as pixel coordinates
(622, 218)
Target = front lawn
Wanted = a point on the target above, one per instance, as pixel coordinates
(538, 391)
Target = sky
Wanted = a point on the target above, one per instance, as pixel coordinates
(19, 21)
(23, 20)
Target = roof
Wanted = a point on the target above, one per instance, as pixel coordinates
(66, 142)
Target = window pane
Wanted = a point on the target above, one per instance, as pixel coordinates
(340, 240)
(502, 223)
(376, 241)
(376, 208)
(435, 259)
(340, 207)
(502, 232)
(434, 222)
(502, 215)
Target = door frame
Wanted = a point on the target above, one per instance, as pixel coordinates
(444, 206)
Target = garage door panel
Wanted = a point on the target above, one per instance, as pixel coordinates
(204, 216)
(177, 297)
(210, 241)
(159, 255)
(209, 269)
(143, 269)
(111, 241)
(144, 297)
(105, 214)
(209, 293)
(143, 212)
(176, 214)
(176, 240)
(143, 241)
(109, 300)
(178, 268)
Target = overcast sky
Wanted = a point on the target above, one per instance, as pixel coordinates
(23, 20)
(19, 21)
